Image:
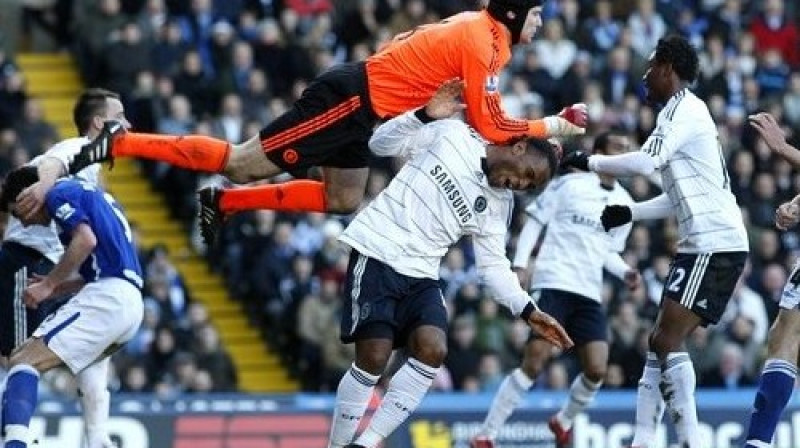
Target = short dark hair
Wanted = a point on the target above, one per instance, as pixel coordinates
(547, 149)
(16, 181)
(601, 141)
(91, 102)
(678, 52)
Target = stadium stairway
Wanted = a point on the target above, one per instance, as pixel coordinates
(54, 79)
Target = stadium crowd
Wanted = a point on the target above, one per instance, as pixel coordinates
(226, 67)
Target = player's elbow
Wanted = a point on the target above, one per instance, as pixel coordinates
(85, 237)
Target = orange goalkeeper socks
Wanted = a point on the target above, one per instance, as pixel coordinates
(292, 196)
(194, 152)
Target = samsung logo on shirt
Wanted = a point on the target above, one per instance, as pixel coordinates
(584, 221)
(452, 194)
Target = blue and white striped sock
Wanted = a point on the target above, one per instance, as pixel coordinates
(22, 388)
(774, 390)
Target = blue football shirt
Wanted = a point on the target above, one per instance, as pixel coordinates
(72, 202)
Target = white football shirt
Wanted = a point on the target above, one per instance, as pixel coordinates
(45, 239)
(686, 148)
(440, 195)
(575, 245)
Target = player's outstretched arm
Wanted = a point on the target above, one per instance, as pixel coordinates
(494, 270)
(769, 130)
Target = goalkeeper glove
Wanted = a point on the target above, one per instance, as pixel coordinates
(615, 216)
(570, 121)
(576, 159)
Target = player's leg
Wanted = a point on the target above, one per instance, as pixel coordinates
(513, 389)
(194, 152)
(588, 328)
(19, 404)
(780, 370)
(365, 320)
(12, 311)
(594, 362)
(341, 192)
(666, 341)
(357, 385)
(516, 385)
(673, 324)
(421, 319)
(95, 400)
(699, 297)
(649, 402)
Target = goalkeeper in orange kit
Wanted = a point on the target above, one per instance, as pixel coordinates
(331, 123)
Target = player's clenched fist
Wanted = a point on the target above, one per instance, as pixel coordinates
(615, 216)
(576, 159)
(570, 121)
(545, 326)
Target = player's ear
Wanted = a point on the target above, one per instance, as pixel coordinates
(97, 122)
(519, 148)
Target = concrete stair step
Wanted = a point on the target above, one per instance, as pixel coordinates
(65, 88)
(257, 364)
(173, 244)
(46, 59)
(152, 215)
(258, 386)
(215, 294)
(254, 349)
(267, 381)
(131, 189)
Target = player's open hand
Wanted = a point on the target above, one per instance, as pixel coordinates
(38, 290)
(31, 200)
(769, 130)
(447, 100)
(545, 326)
(787, 215)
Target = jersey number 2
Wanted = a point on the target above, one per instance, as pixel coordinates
(676, 279)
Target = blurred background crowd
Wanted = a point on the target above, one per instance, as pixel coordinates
(226, 67)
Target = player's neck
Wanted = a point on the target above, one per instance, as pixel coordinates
(677, 88)
(607, 181)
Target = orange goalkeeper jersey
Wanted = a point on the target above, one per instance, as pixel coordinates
(473, 46)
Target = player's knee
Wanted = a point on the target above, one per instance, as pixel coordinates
(236, 168)
(372, 361)
(432, 354)
(343, 202)
(532, 366)
(663, 343)
(595, 372)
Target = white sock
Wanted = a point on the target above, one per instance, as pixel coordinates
(508, 397)
(581, 393)
(678, 389)
(406, 390)
(649, 403)
(352, 397)
(95, 400)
